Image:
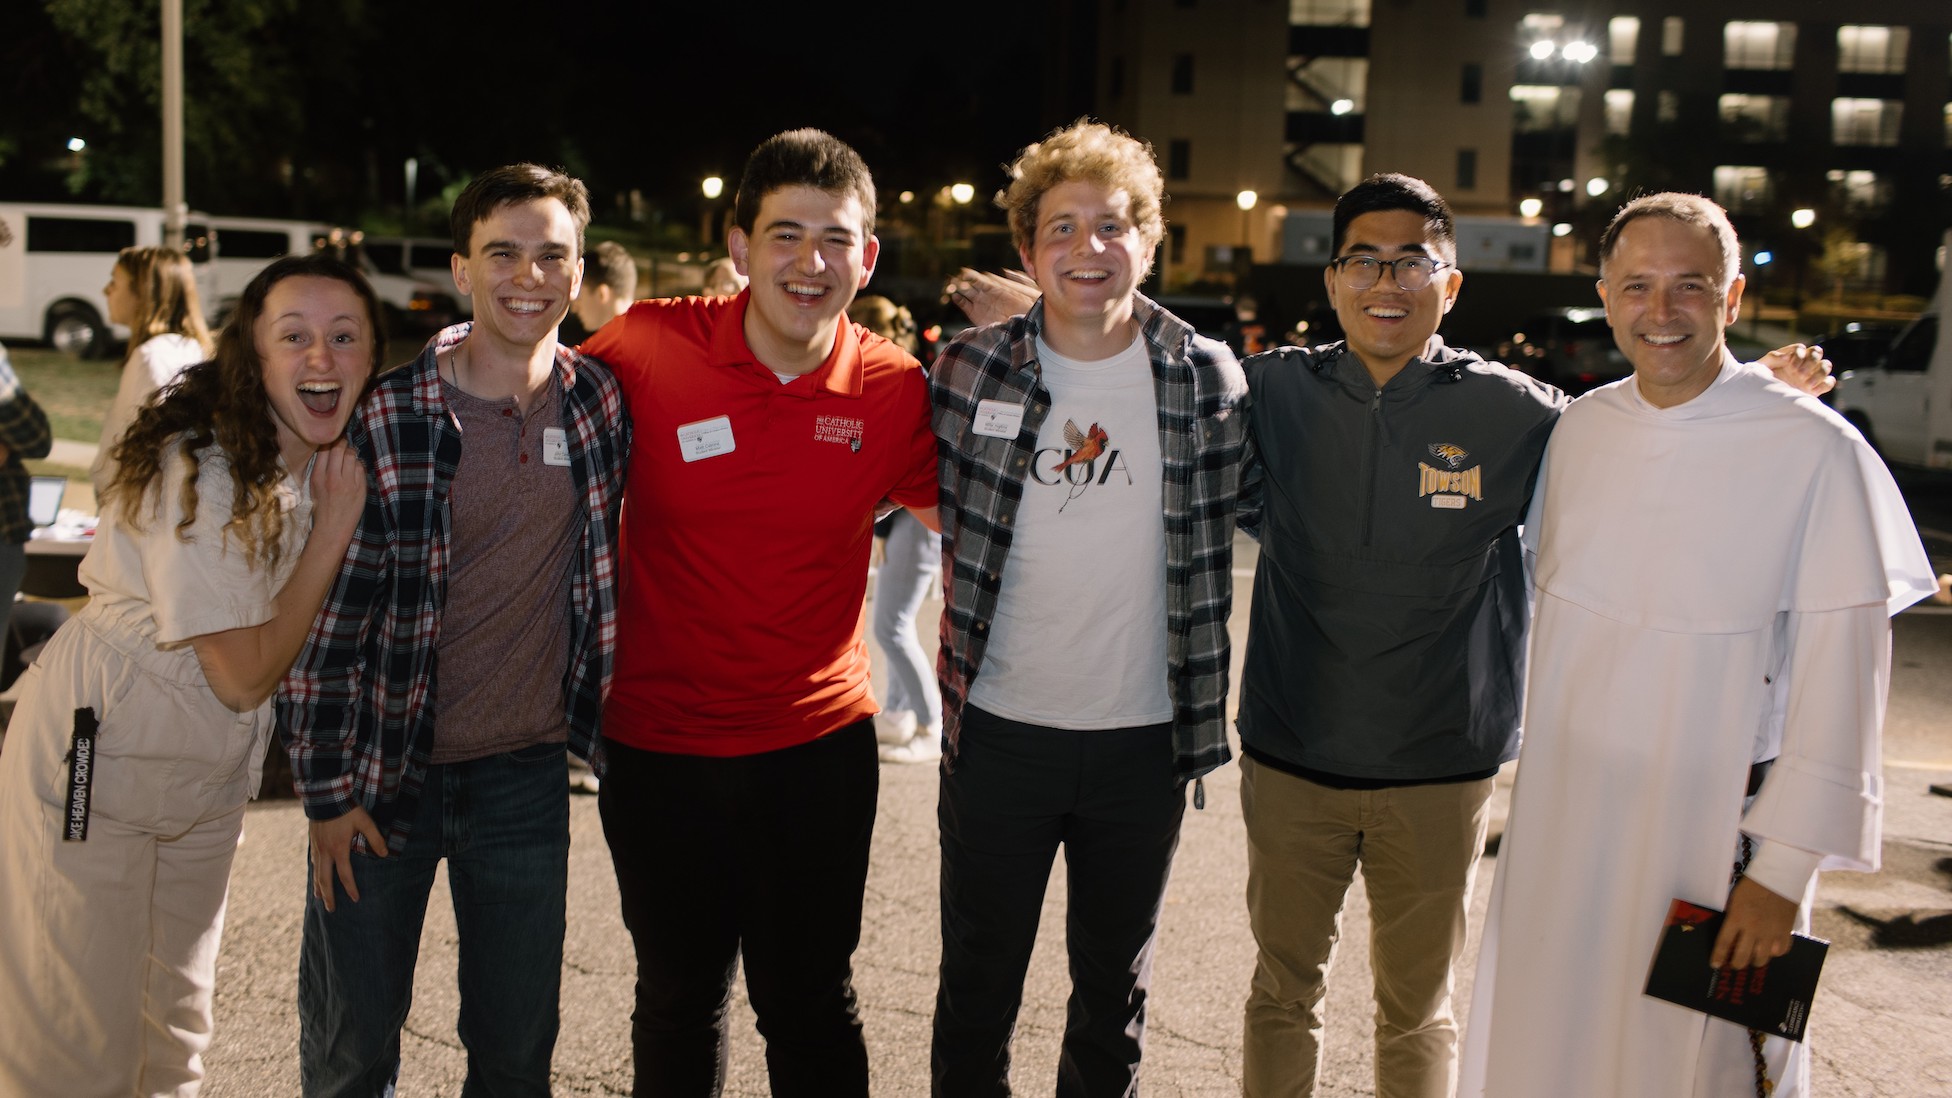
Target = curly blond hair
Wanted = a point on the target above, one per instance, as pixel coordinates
(1085, 151)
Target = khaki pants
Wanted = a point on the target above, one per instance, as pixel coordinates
(1418, 848)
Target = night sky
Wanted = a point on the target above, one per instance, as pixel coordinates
(645, 96)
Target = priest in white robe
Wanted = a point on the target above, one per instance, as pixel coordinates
(1717, 557)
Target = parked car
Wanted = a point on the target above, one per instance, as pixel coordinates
(1571, 348)
(55, 258)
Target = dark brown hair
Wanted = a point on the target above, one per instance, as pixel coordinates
(223, 403)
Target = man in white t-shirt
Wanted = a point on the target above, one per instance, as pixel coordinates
(1090, 456)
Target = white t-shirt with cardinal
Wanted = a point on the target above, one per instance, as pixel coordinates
(1079, 638)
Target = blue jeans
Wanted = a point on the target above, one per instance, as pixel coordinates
(913, 559)
(502, 823)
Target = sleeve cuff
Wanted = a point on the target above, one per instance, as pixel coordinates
(1783, 869)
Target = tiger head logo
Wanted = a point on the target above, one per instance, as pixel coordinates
(1449, 453)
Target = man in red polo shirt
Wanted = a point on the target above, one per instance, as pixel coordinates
(740, 794)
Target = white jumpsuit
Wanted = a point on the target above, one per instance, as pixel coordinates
(108, 946)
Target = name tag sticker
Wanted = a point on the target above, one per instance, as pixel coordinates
(706, 438)
(998, 419)
(555, 446)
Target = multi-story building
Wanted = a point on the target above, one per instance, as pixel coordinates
(1546, 111)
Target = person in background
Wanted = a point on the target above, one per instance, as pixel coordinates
(141, 730)
(909, 727)
(153, 291)
(24, 433)
(609, 286)
(722, 278)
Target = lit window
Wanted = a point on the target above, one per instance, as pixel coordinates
(1619, 112)
(1743, 189)
(1671, 36)
(1865, 121)
(1667, 108)
(1752, 119)
(1622, 32)
(1759, 45)
(1540, 107)
(1860, 191)
(1328, 13)
(1872, 49)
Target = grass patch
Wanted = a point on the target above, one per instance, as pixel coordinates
(75, 392)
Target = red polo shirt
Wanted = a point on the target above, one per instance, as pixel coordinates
(748, 516)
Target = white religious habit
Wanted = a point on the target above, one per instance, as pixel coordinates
(1714, 586)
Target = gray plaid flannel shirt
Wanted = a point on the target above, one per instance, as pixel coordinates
(1203, 446)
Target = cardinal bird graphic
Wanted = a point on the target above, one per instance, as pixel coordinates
(1086, 447)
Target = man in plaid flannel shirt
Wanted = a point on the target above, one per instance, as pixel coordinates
(465, 644)
(1090, 453)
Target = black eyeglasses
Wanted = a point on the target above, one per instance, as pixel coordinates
(1412, 272)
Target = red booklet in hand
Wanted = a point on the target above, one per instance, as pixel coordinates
(1774, 998)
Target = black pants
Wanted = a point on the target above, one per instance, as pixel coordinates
(766, 855)
(1113, 800)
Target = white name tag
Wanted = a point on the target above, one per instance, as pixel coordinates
(705, 438)
(555, 446)
(998, 419)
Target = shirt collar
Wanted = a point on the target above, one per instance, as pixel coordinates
(427, 397)
(840, 374)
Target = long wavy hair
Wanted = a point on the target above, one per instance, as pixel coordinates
(166, 296)
(223, 403)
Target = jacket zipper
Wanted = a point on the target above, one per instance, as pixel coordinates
(1371, 458)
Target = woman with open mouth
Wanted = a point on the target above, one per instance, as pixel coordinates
(141, 731)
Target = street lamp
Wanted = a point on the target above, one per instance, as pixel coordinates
(1530, 207)
(1596, 186)
(76, 144)
(962, 193)
(711, 187)
(1246, 200)
(1802, 219)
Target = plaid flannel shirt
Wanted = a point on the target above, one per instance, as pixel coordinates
(25, 434)
(355, 709)
(1202, 397)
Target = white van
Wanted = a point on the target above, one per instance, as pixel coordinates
(55, 258)
(1903, 405)
(422, 258)
(245, 245)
